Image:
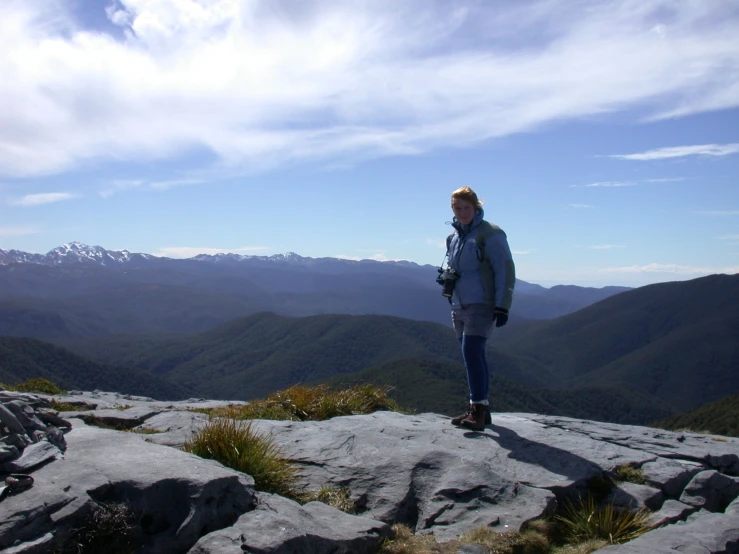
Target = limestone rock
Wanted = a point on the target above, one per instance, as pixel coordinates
(711, 490)
(281, 526)
(703, 532)
(671, 511)
(173, 428)
(633, 496)
(176, 497)
(32, 456)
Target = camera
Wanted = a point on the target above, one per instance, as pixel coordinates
(447, 279)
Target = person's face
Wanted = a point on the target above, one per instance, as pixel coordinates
(464, 211)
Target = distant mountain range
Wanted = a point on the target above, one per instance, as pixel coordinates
(77, 291)
(243, 326)
(676, 341)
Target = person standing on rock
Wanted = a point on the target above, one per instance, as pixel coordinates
(479, 283)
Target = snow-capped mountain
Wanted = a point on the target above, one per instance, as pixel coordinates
(72, 253)
(79, 253)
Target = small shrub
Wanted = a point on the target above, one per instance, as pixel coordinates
(122, 407)
(315, 403)
(236, 445)
(532, 540)
(37, 385)
(98, 422)
(65, 407)
(630, 474)
(109, 528)
(144, 431)
(588, 521)
(586, 547)
(405, 542)
(336, 498)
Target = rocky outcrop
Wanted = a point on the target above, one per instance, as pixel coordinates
(418, 470)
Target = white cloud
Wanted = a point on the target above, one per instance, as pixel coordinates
(579, 206)
(190, 251)
(437, 243)
(254, 84)
(671, 268)
(378, 256)
(521, 252)
(605, 246)
(610, 184)
(120, 185)
(41, 198)
(6, 232)
(682, 151)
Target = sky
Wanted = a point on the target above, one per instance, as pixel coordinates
(603, 136)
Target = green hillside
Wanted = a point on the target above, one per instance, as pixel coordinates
(719, 418)
(23, 358)
(253, 356)
(441, 387)
(675, 341)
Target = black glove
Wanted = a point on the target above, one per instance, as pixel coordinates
(500, 316)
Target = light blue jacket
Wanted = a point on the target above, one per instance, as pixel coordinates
(490, 282)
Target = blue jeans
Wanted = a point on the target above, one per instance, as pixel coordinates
(473, 324)
(478, 373)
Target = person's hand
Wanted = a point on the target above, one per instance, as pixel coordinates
(500, 316)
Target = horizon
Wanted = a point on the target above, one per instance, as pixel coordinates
(286, 254)
(604, 139)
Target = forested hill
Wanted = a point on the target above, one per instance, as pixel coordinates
(676, 341)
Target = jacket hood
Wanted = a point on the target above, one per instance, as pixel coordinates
(463, 228)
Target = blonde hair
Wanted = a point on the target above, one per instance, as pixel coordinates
(467, 194)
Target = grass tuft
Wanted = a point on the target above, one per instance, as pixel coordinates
(336, 498)
(587, 521)
(37, 385)
(314, 403)
(236, 445)
(532, 540)
(66, 407)
(144, 431)
(630, 474)
(109, 528)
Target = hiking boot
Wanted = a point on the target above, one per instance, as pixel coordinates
(458, 419)
(479, 415)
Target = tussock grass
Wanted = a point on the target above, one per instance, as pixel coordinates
(630, 474)
(587, 521)
(314, 403)
(37, 385)
(237, 445)
(66, 407)
(338, 498)
(144, 431)
(109, 528)
(532, 540)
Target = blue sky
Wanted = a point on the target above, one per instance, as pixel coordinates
(603, 136)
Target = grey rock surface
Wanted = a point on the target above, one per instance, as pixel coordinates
(672, 476)
(175, 497)
(711, 490)
(123, 419)
(422, 471)
(670, 512)
(173, 428)
(281, 526)
(633, 496)
(702, 533)
(33, 455)
(418, 470)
